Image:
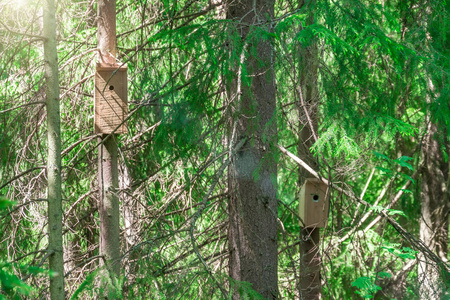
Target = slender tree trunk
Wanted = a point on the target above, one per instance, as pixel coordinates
(55, 248)
(109, 204)
(434, 211)
(252, 233)
(107, 160)
(310, 281)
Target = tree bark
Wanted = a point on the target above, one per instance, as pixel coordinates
(109, 205)
(107, 160)
(55, 248)
(434, 212)
(252, 233)
(309, 287)
(106, 30)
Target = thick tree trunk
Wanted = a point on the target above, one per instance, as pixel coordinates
(252, 233)
(107, 159)
(434, 211)
(55, 248)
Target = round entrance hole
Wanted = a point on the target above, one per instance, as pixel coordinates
(316, 198)
(111, 87)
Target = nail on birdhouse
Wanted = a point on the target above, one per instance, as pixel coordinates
(314, 203)
(110, 98)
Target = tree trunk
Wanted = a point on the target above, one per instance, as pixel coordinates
(310, 281)
(109, 205)
(434, 211)
(55, 248)
(107, 160)
(252, 233)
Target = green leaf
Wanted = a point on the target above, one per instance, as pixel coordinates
(384, 275)
(5, 203)
(10, 282)
(409, 253)
(376, 208)
(404, 253)
(381, 156)
(366, 287)
(362, 282)
(402, 161)
(408, 177)
(34, 270)
(392, 212)
(386, 171)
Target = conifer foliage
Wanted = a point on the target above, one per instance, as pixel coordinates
(358, 90)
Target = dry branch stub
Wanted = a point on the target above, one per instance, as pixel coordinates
(110, 98)
(314, 204)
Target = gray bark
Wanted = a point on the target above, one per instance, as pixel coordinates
(252, 233)
(435, 209)
(109, 205)
(55, 248)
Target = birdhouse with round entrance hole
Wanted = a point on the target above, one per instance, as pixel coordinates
(110, 98)
(314, 203)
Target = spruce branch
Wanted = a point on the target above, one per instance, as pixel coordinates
(415, 242)
(198, 213)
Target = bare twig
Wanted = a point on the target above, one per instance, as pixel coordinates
(369, 213)
(20, 106)
(203, 206)
(78, 57)
(40, 37)
(21, 174)
(362, 196)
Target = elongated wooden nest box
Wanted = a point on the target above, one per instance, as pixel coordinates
(314, 203)
(110, 98)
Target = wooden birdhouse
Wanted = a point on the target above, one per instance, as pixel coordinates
(314, 203)
(110, 98)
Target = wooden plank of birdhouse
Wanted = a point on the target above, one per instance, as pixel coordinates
(313, 204)
(110, 98)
